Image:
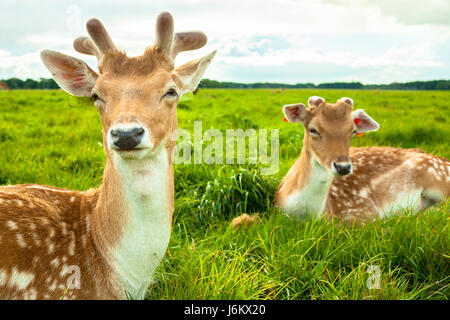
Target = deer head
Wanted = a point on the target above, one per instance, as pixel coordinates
(136, 96)
(329, 129)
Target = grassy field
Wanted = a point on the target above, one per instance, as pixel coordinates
(46, 137)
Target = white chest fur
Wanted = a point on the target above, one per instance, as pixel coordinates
(147, 232)
(311, 199)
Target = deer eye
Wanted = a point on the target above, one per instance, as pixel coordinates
(354, 132)
(171, 93)
(314, 132)
(95, 97)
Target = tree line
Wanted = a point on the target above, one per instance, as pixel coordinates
(43, 83)
(415, 85)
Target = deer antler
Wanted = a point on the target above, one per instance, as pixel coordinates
(86, 46)
(185, 41)
(169, 43)
(182, 41)
(99, 43)
(164, 32)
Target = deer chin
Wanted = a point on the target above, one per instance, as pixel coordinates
(132, 154)
(143, 150)
(147, 150)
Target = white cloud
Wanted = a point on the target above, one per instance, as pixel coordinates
(24, 66)
(435, 12)
(347, 35)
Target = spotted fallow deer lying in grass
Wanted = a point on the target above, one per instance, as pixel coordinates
(355, 184)
(116, 235)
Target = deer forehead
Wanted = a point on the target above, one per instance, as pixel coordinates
(334, 117)
(332, 112)
(136, 87)
(118, 63)
(332, 125)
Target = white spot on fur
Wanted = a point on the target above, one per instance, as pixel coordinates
(36, 239)
(53, 286)
(64, 270)
(55, 262)
(20, 241)
(20, 280)
(64, 229)
(47, 189)
(363, 193)
(72, 246)
(410, 163)
(30, 294)
(3, 277)
(12, 225)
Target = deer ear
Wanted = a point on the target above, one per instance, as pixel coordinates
(71, 74)
(295, 112)
(315, 101)
(364, 123)
(191, 72)
(347, 100)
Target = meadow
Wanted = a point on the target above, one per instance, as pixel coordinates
(50, 138)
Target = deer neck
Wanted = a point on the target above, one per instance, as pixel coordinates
(132, 223)
(311, 182)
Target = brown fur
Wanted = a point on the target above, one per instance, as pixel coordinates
(118, 63)
(379, 174)
(244, 220)
(45, 230)
(391, 166)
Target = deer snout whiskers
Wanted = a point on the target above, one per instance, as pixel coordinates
(128, 137)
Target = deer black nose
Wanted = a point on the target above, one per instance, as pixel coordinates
(127, 139)
(342, 168)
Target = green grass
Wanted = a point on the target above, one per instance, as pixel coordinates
(285, 259)
(46, 139)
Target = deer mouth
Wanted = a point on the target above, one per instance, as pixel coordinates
(134, 153)
(129, 150)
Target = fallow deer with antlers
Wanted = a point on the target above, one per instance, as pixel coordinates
(114, 236)
(355, 184)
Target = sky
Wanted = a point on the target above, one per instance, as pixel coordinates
(289, 41)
